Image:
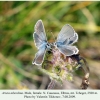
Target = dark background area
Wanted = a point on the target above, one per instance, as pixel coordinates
(17, 49)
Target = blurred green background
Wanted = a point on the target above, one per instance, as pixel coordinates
(17, 49)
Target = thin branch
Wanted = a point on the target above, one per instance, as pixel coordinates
(51, 84)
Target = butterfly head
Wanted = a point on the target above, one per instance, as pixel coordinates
(49, 46)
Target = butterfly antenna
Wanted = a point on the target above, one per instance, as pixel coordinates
(53, 36)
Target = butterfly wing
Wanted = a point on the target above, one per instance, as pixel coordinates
(68, 50)
(39, 34)
(40, 42)
(39, 57)
(73, 39)
(65, 33)
(65, 39)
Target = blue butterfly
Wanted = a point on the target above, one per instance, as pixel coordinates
(66, 38)
(40, 42)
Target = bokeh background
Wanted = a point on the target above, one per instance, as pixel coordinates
(17, 49)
